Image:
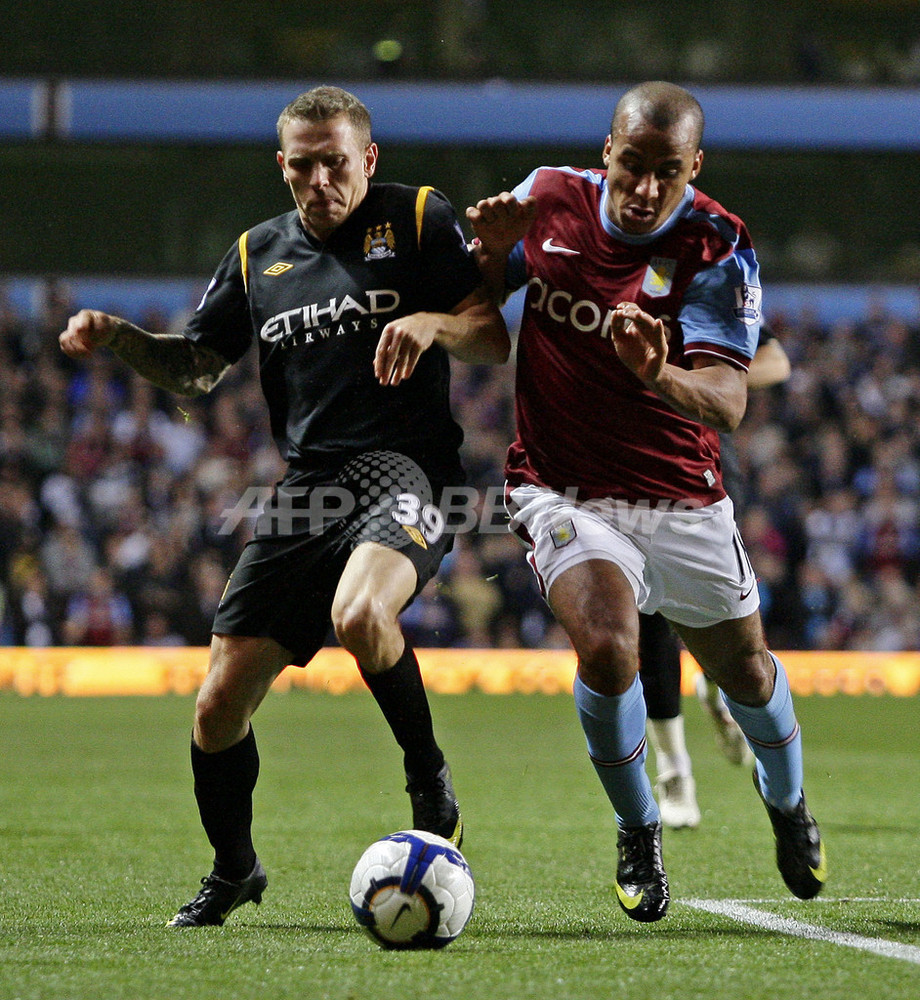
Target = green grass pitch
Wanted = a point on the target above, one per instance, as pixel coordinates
(101, 843)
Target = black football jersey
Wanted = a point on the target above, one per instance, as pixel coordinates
(316, 311)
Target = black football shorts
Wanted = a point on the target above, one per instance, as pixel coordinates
(286, 577)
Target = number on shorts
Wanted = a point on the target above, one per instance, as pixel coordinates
(410, 512)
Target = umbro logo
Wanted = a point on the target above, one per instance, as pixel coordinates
(278, 268)
(551, 247)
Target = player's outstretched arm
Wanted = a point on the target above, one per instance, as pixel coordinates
(474, 332)
(170, 361)
(499, 223)
(769, 366)
(713, 392)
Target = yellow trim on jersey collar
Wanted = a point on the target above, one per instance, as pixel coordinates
(420, 200)
(244, 260)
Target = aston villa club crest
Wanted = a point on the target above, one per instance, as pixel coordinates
(659, 276)
(379, 242)
(563, 533)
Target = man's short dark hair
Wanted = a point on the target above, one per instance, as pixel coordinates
(663, 105)
(322, 103)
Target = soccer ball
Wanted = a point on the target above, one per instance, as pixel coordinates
(412, 890)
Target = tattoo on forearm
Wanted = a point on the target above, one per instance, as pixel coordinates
(168, 360)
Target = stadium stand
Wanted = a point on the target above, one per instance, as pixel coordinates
(120, 506)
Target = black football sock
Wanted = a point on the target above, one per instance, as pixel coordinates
(401, 696)
(659, 661)
(224, 782)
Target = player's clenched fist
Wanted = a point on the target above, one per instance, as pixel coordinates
(86, 331)
(499, 222)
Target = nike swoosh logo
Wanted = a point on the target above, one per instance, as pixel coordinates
(405, 908)
(745, 594)
(626, 901)
(550, 247)
(236, 902)
(820, 873)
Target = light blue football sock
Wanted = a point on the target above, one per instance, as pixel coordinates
(774, 735)
(615, 733)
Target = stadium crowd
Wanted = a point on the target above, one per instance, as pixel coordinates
(122, 508)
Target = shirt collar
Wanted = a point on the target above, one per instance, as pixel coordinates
(639, 240)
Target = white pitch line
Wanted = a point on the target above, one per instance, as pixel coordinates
(784, 925)
(775, 900)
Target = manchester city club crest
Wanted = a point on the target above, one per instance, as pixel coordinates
(379, 242)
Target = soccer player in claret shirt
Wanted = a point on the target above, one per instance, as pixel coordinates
(641, 316)
(354, 299)
(659, 651)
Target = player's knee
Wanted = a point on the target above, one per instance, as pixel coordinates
(609, 648)
(607, 659)
(219, 719)
(363, 628)
(750, 677)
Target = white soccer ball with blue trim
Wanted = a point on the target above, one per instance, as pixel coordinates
(412, 890)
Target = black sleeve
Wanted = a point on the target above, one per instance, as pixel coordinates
(765, 336)
(449, 271)
(222, 322)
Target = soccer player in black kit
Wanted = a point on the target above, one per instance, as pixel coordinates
(359, 288)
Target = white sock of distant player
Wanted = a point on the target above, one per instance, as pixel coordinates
(711, 693)
(668, 741)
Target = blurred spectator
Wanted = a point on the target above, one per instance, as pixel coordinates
(156, 631)
(832, 531)
(137, 429)
(20, 516)
(180, 438)
(98, 615)
(209, 579)
(34, 616)
(68, 560)
(431, 619)
(478, 598)
(46, 438)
